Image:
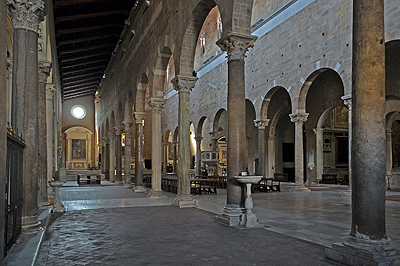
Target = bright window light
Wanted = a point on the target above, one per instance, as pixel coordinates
(78, 111)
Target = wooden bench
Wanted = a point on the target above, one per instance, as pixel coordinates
(87, 179)
(275, 184)
(203, 186)
(329, 179)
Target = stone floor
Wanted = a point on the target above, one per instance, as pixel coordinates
(110, 225)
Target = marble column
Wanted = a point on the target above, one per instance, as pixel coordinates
(174, 154)
(214, 139)
(26, 16)
(236, 46)
(50, 89)
(43, 74)
(165, 163)
(103, 146)
(3, 120)
(184, 85)
(319, 136)
(118, 154)
(139, 117)
(367, 243)
(106, 160)
(111, 155)
(198, 155)
(127, 154)
(298, 119)
(271, 156)
(261, 125)
(347, 101)
(156, 105)
(389, 156)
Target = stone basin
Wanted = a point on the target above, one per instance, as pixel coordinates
(248, 179)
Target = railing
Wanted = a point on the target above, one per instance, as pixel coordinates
(13, 189)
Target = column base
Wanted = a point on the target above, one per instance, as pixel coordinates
(30, 222)
(118, 183)
(231, 216)
(129, 186)
(300, 188)
(156, 194)
(184, 201)
(249, 221)
(356, 252)
(139, 189)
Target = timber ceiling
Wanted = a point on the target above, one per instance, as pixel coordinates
(87, 33)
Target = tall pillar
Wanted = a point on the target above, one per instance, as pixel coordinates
(236, 46)
(139, 117)
(165, 164)
(271, 156)
(261, 125)
(156, 105)
(43, 74)
(103, 146)
(174, 154)
(214, 139)
(347, 101)
(26, 16)
(127, 154)
(298, 120)
(118, 155)
(107, 158)
(184, 85)
(111, 155)
(389, 155)
(50, 89)
(319, 139)
(367, 243)
(3, 119)
(198, 155)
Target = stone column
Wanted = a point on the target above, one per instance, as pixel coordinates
(347, 101)
(298, 120)
(319, 136)
(50, 89)
(174, 154)
(103, 146)
(367, 243)
(139, 117)
(26, 16)
(236, 46)
(107, 158)
(118, 154)
(111, 155)
(184, 85)
(3, 120)
(9, 88)
(156, 104)
(261, 125)
(271, 156)
(43, 74)
(165, 157)
(389, 156)
(214, 139)
(127, 154)
(198, 155)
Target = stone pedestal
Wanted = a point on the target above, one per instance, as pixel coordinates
(26, 17)
(299, 119)
(127, 154)
(236, 45)
(184, 85)
(118, 155)
(139, 117)
(57, 204)
(248, 219)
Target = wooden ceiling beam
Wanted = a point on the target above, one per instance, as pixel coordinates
(87, 84)
(91, 15)
(80, 89)
(72, 71)
(82, 75)
(76, 96)
(79, 92)
(91, 28)
(87, 39)
(72, 58)
(84, 49)
(59, 3)
(80, 81)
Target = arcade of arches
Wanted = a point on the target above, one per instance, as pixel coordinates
(264, 86)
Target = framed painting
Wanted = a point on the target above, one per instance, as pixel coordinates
(341, 117)
(78, 149)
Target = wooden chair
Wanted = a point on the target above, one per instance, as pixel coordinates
(329, 179)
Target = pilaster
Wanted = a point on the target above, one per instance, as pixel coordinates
(118, 154)
(261, 125)
(127, 154)
(198, 155)
(348, 102)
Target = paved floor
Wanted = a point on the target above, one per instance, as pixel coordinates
(109, 225)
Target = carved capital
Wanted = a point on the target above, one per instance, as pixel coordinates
(44, 69)
(198, 140)
(299, 118)
(118, 130)
(156, 104)
(127, 126)
(26, 14)
(261, 124)
(184, 84)
(139, 116)
(50, 89)
(347, 101)
(214, 135)
(105, 140)
(236, 45)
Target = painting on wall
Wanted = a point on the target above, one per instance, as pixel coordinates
(78, 149)
(341, 117)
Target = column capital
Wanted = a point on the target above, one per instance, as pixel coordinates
(214, 135)
(347, 101)
(26, 14)
(139, 116)
(44, 68)
(50, 89)
(198, 139)
(127, 126)
(236, 45)
(261, 124)
(118, 130)
(105, 140)
(184, 84)
(111, 134)
(156, 104)
(299, 118)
